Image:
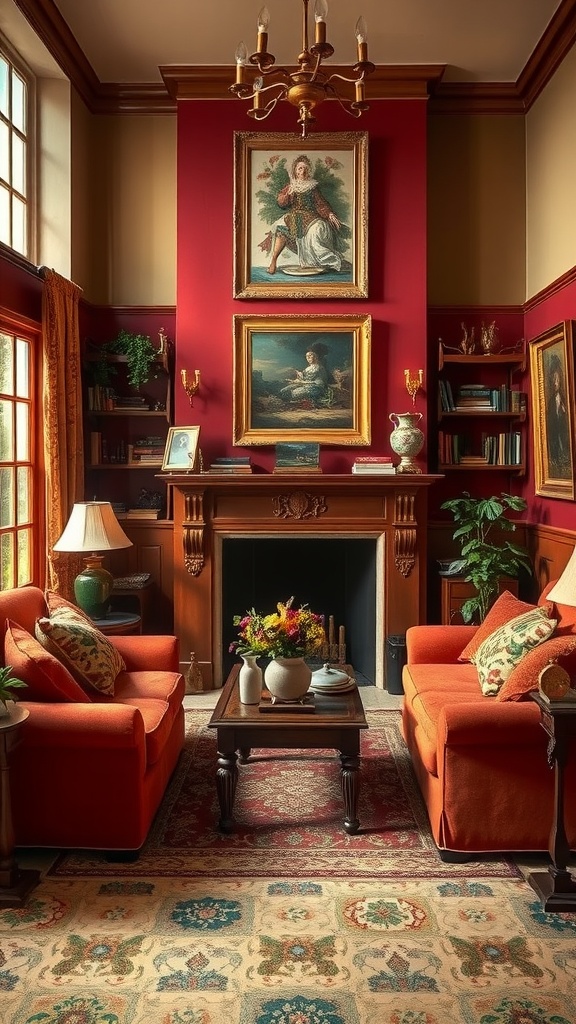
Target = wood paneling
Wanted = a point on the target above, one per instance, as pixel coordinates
(152, 552)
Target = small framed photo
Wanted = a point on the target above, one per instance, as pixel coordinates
(552, 399)
(181, 452)
(297, 457)
(302, 378)
(301, 216)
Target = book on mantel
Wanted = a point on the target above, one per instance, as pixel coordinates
(373, 465)
(231, 464)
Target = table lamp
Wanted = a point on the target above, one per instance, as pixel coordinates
(564, 590)
(93, 527)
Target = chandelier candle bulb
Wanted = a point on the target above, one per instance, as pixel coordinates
(241, 58)
(361, 33)
(320, 12)
(360, 95)
(263, 22)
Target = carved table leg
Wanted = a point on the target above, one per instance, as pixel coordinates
(350, 779)
(226, 780)
(244, 754)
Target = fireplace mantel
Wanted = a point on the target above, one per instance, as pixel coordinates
(209, 508)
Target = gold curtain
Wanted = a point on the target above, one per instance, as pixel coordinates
(63, 444)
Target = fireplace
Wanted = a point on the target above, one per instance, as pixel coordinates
(238, 542)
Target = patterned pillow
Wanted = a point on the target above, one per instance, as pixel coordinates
(46, 677)
(524, 677)
(505, 607)
(507, 645)
(83, 649)
(56, 603)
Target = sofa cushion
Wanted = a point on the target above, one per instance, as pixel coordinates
(83, 649)
(158, 722)
(156, 685)
(507, 645)
(55, 603)
(524, 677)
(47, 678)
(505, 607)
(428, 689)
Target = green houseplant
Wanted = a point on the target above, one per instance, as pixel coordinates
(8, 683)
(486, 556)
(140, 354)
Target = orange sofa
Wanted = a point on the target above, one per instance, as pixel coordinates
(481, 762)
(90, 771)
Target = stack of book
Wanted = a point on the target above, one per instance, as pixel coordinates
(374, 465)
(132, 402)
(231, 464)
(147, 449)
(474, 397)
(139, 513)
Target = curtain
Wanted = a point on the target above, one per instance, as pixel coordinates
(62, 408)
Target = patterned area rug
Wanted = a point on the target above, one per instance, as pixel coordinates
(288, 814)
(286, 951)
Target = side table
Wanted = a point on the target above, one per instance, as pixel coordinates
(556, 887)
(119, 624)
(15, 884)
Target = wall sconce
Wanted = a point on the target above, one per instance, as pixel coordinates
(190, 384)
(413, 384)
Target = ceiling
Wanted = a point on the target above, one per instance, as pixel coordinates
(127, 40)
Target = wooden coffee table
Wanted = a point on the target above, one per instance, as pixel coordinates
(335, 723)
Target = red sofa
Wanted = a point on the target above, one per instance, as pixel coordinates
(89, 771)
(481, 762)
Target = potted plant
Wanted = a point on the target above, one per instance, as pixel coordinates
(140, 354)
(8, 683)
(486, 561)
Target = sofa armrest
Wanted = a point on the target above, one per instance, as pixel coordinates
(427, 645)
(148, 653)
(98, 726)
(490, 724)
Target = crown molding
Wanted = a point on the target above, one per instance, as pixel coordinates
(212, 82)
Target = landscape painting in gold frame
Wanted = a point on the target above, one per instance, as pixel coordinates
(302, 378)
(552, 403)
(300, 216)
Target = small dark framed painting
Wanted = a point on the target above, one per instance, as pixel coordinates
(302, 378)
(552, 404)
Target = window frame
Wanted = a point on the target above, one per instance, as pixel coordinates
(21, 327)
(8, 52)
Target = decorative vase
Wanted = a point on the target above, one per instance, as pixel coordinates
(288, 679)
(406, 440)
(250, 680)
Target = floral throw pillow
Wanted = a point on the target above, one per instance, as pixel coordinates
(506, 646)
(524, 677)
(83, 649)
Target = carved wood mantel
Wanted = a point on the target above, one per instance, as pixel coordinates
(209, 508)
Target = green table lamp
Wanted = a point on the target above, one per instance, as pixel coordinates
(93, 527)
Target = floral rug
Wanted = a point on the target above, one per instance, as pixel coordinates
(288, 814)
(286, 951)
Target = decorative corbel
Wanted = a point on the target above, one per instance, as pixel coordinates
(193, 532)
(404, 533)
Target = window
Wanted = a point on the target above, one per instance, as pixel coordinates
(16, 106)
(19, 541)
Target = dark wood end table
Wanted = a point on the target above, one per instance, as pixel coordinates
(556, 887)
(119, 623)
(335, 723)
(15, 883)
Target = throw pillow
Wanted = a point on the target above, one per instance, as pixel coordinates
(505, 607)
(507, 645)
(524, 677)
(55, 603)
(83, 649)
(46, 678)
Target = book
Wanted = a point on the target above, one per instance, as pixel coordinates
(232, 460)
(232, 470)
(372, 459)
(373, 470)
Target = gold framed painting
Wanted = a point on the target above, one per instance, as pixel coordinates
(302, 378)
(552, 404)
(300, 216)
(181, 451)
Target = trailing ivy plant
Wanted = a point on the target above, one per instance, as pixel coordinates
(140, 354)
(486, 561)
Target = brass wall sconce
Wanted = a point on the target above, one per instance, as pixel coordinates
(413, 384)
(190, 384)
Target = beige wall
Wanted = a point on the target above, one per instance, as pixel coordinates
(551, 177)
(53, 223)
(124, 208)
(476, 210)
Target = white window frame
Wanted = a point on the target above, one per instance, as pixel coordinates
(29, 139)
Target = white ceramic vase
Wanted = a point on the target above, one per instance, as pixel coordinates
(406, 440)
(288, 679)
(250, 680)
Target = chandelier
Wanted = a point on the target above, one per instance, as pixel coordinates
(308, 85)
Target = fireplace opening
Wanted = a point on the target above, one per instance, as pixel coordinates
(334, 576)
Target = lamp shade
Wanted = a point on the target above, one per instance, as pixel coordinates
(93, 527)
(564, 590)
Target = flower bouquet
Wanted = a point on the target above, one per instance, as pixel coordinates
(287, 633)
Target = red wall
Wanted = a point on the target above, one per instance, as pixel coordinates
(396, 262)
